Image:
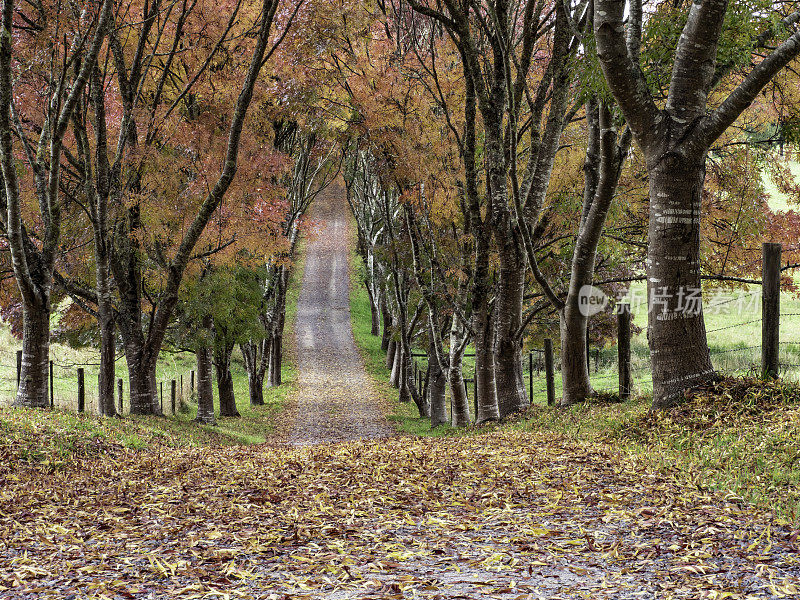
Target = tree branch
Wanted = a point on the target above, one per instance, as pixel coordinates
(624, 76)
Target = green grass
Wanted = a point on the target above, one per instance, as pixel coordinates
(63, 425)
(741, 437)
(252, 427)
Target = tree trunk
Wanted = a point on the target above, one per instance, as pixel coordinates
(411, 392)
(605, 157)
(276, 361)
(437, 391)
(276, 351)
(386, 316)
(107, 374)
(397, 366)
(33, 384)
(127, 276)
(484, 367)
(268, 347)
(108, 343)
(403, 367)
(255, 360)
(574, 367)
(205, 388)
(511, 396)
(678, 346)
(482, 323)
(391, 348)
(455, 376)
(256, 389)
(373, 310)
(142, 377)
(675, 141)
(458, 393)
(222, 363)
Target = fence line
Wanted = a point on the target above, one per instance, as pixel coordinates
(770, 363)
(175, 396)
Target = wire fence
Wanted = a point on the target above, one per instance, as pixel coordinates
(73, 386)
(730, 346)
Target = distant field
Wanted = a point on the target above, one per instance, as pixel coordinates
(778, 201)
(734, 338)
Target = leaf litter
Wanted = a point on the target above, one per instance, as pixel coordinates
(504, 514)
(501, 515)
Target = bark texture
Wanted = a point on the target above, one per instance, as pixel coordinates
(605, 157)
(459, 401)
(205, 387)
(222, 364)
(391, 348)
(33, 384)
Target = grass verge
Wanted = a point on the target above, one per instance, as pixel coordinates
(52, 438)
(740, 436)
(404, 415)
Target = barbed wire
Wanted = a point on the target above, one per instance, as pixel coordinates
(716, 352)
(734, 326)
(728, 301)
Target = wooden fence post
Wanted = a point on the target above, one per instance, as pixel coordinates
(770, 309)
(81, 391)
(191, 385)
(530, 376)
(119, 393)
(174, 394)
(161, 395)
(52, 396)
(549, 375)
(19, 366)
(624, 350)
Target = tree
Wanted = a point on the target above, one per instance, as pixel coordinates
(143, 340)
(499, 42)
(675, 141)
(34, 246)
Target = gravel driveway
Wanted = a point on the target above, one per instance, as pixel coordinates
(335, 400)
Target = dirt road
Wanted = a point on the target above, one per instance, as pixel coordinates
(335, 400)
